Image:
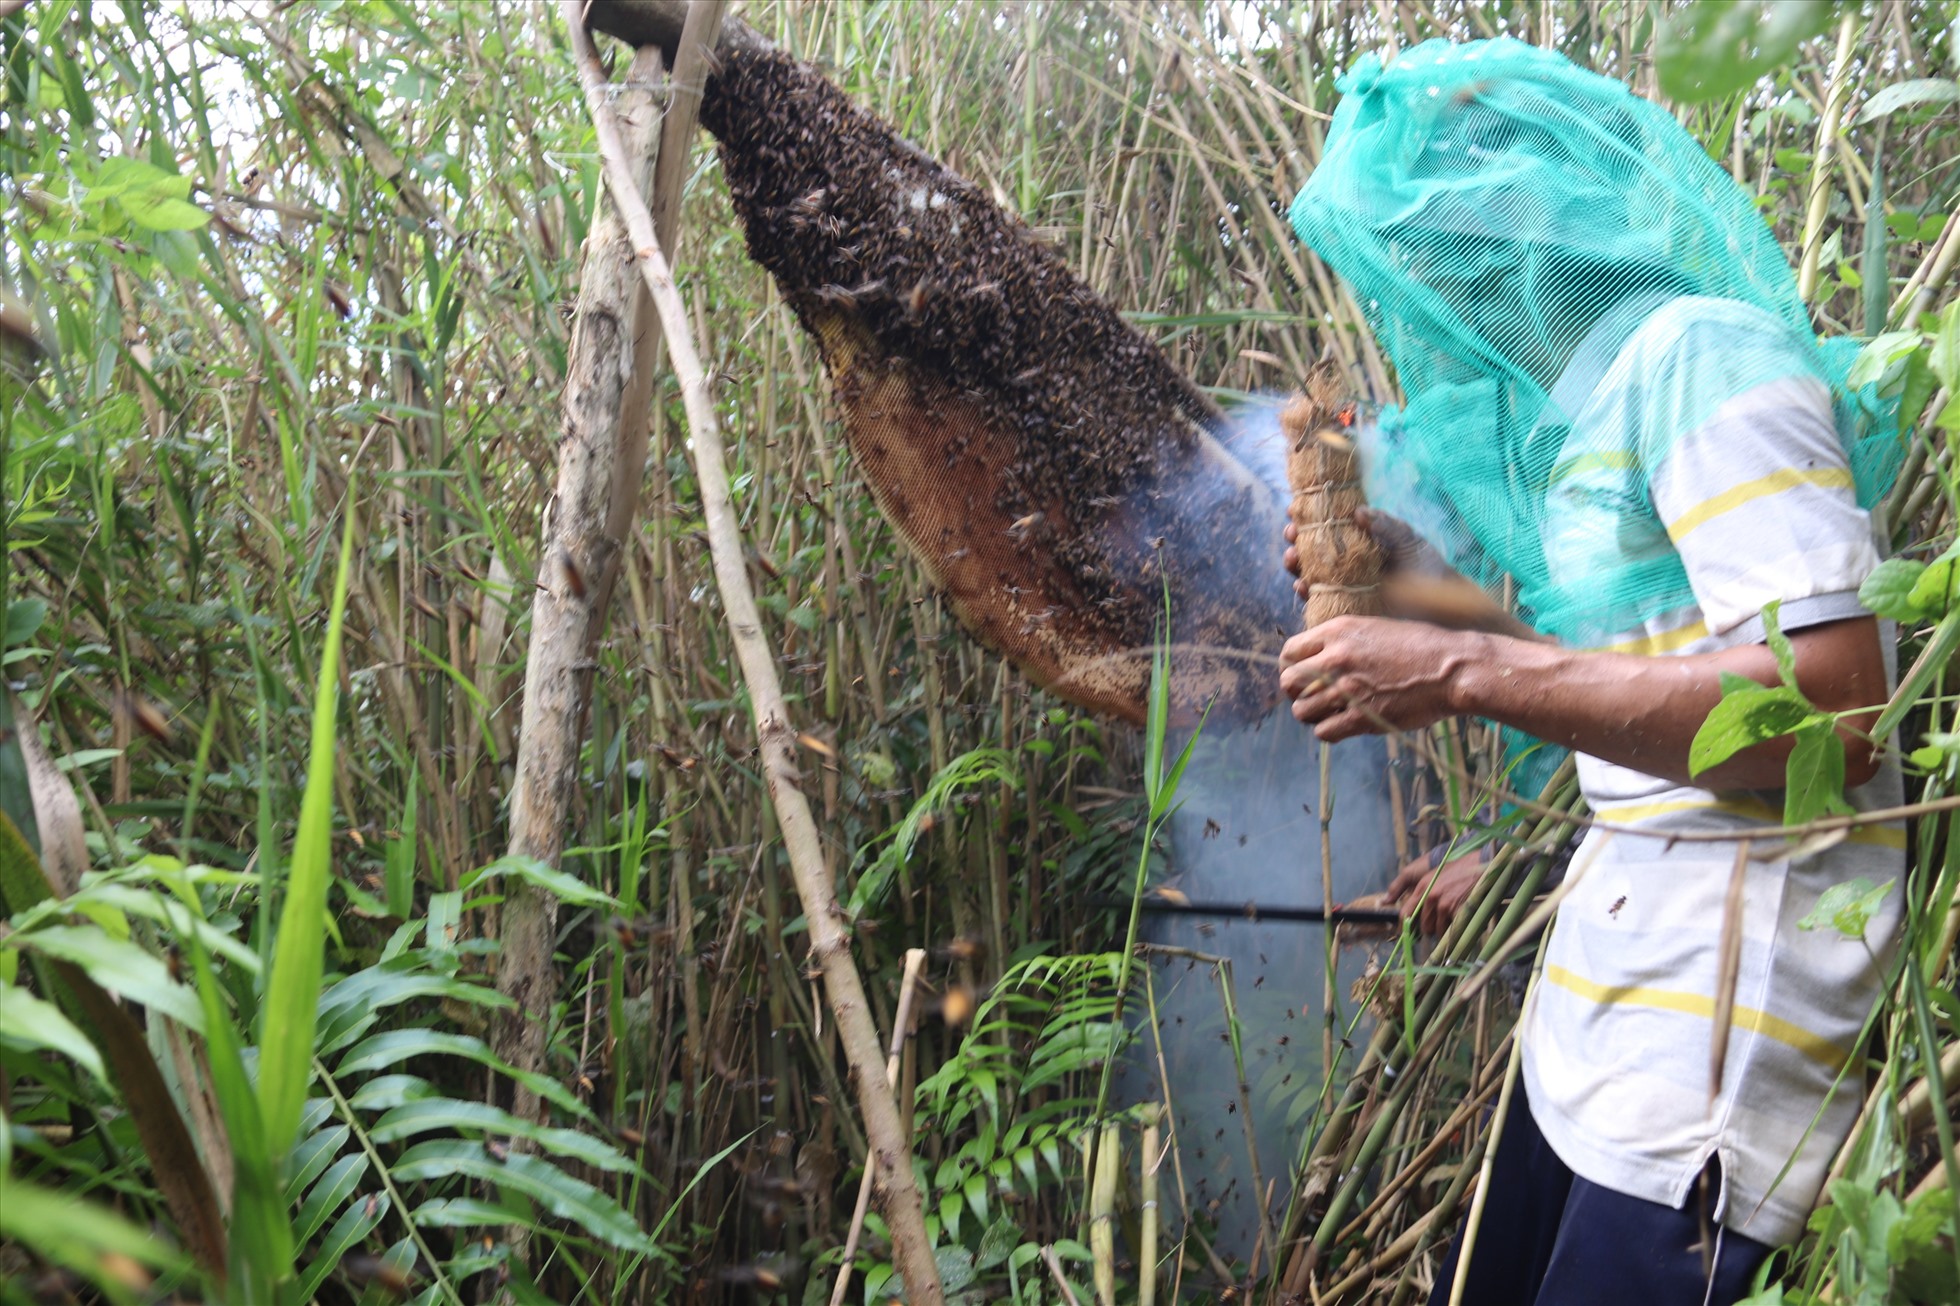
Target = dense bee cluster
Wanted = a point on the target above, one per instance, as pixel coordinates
(943, 321)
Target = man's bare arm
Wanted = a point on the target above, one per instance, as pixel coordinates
(1359, 675)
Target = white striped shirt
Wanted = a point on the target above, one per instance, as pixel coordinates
(1758, 501)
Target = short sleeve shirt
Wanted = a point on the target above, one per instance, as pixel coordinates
(1756, 498)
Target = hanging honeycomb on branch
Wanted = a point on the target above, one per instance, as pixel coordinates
(1051, 469)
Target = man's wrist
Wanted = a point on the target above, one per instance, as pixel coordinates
(1468, 677)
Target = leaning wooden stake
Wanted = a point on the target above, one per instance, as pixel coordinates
(915, 960)
(890, 1153)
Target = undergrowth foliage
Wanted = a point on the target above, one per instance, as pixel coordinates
(271, 473)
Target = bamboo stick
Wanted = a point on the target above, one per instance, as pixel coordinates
(890, 1152)
(915, 959)
(1102, 1216)
(1147, 1237)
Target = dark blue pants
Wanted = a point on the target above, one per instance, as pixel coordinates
(1550, 1238)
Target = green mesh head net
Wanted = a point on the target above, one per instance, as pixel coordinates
(1507, 221)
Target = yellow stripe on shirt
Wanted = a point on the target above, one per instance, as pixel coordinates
(1788, 478)
(1890, 835)
(1665, 641)
(1814, 1046)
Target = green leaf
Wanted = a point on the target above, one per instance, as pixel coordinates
(333, 1190)
(955, 1268)
(154, 199)
(1888, 590)
(397, 1045)
(1814, 778)
(28, 1022)
(566, 888)
(1945, 356)
(118, 965)
(1848, 907)
(1876, 358)
(468, 1213)
(997, 1244)
(78, 1235)
(1714, 48)
(1779, 643)
(348, 1232)
(24, 617)
(421, 1116)
(1932, 593)
(1902, 95)
(163, 213)
(544, 1183)
(1746, 717)
(292, 995)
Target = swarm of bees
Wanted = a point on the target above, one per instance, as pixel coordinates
(1048, 464)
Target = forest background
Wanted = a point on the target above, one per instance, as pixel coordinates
(300, 285)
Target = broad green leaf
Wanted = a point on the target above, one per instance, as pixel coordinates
(293, 993)
(544, 1183)
(1903, 95)
(1874, 359)
(154, 199)
(955, 1268)
(1847, 908)
(446, 1113)
(162, 212)
(1746, 717)
(1932, 593)
(118, 965)
(385, 1092)
(1714, 48)
(997, 1244)
(24, 617)
(1929, 756)
(29, 1022)
(468, 1213)
(1814, 778)
(351, 1007)
(566, 888)
(1888, 590)
(397, 1045)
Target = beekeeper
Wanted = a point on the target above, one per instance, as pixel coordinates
(1614, 398)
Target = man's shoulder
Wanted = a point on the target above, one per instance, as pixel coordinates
(1690, 324)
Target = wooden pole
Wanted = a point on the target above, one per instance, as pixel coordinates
(565, 608)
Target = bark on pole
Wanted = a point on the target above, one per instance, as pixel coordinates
(692, 63)
(565, 616)
(890, 1152)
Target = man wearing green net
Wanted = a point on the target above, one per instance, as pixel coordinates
(1615, 400)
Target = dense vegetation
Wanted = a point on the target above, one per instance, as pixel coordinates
(302, 278)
